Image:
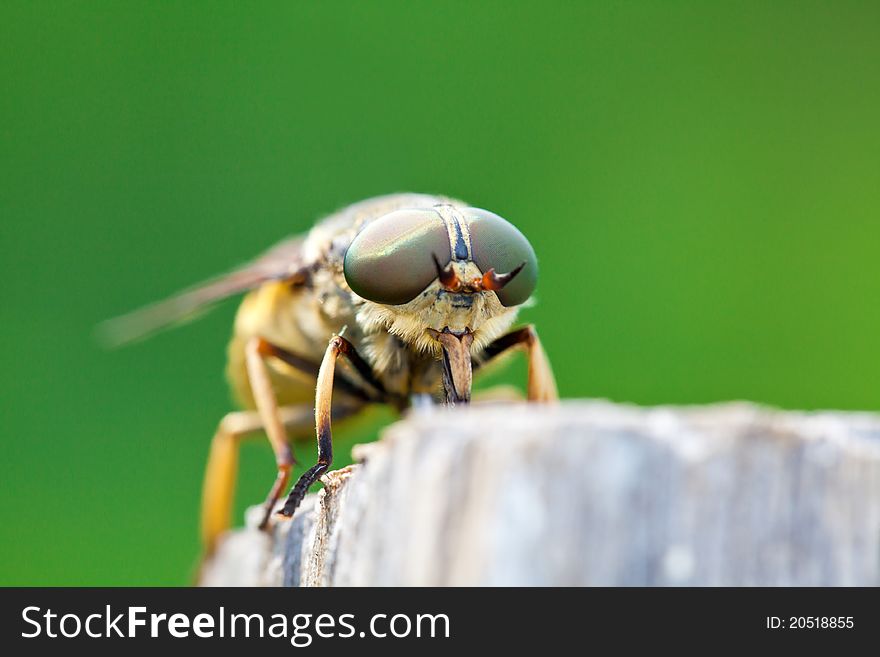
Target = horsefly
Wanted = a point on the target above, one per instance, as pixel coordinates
(413, 291)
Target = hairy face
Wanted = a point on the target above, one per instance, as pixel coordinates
(437, 309)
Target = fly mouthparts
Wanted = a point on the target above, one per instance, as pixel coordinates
(459, 333)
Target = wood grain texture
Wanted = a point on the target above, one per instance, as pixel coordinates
(587, 493)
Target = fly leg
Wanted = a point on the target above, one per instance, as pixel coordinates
(221, 471)
(257, 351)
(541, 384)
(323, 398)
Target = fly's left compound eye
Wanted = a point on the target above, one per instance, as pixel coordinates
(497, 244)
(390, 261)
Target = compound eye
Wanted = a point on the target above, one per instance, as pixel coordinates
(391, 261)
(497, 244)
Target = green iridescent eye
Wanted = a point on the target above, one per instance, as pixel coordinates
(390, 261)
(497, 244)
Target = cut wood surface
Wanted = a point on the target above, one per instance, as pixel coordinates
(586, 493)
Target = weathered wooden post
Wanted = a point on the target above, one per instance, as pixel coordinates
(588, 493)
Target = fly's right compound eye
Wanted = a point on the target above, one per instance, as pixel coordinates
(390, 261)
(497, 244)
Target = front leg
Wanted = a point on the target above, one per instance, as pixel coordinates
(323, 398)
(257, 351)
(541, 384)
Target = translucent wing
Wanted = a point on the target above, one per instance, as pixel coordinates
(285, 260)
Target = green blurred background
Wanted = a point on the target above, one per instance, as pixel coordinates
(701, 182)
